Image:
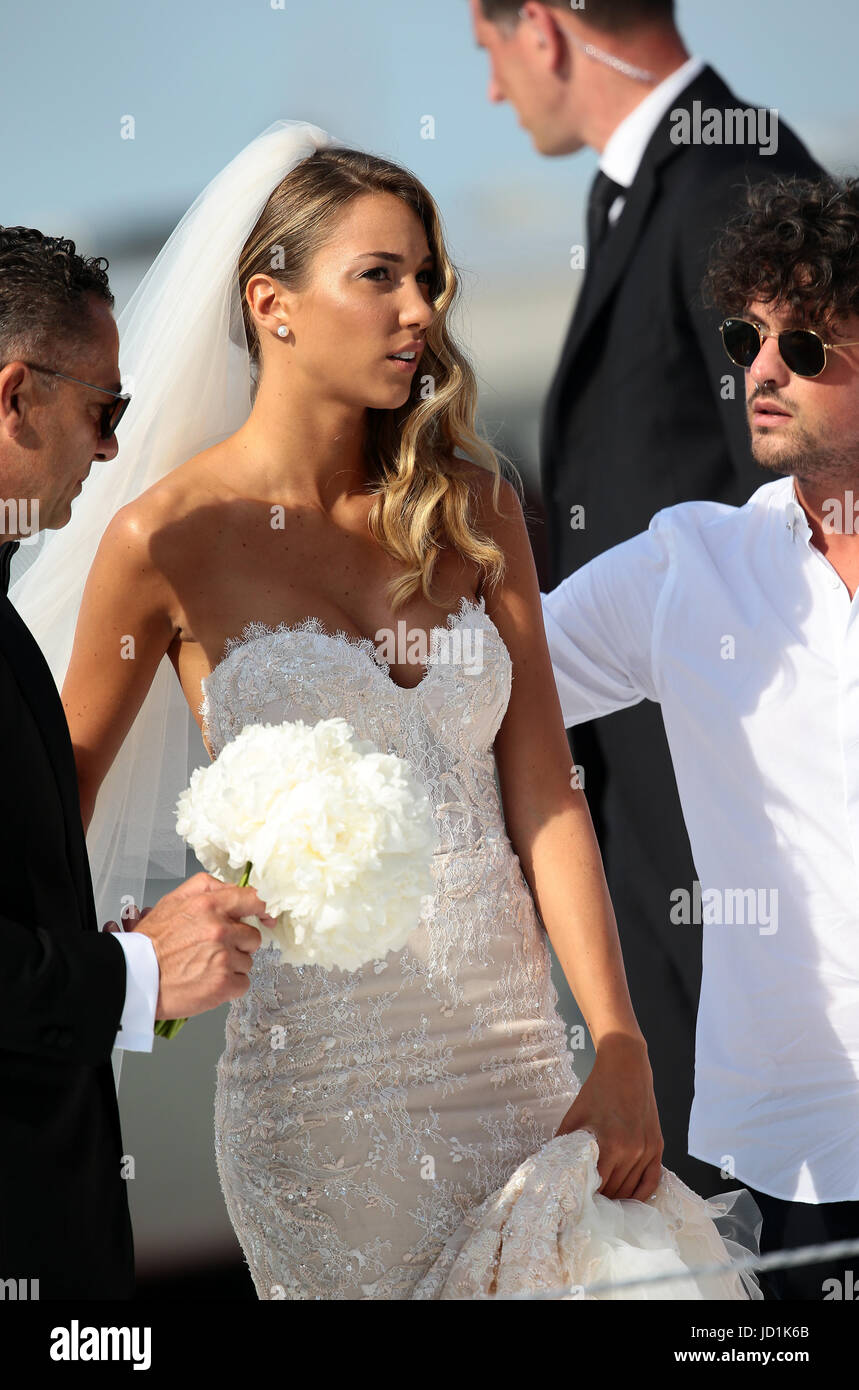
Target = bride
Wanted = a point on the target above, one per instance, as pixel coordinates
(299, 474)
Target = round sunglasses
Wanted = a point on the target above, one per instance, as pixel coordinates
(801, 350)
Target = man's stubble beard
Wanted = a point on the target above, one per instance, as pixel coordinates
(814, 462)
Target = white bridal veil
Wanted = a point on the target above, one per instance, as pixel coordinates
(184, 356)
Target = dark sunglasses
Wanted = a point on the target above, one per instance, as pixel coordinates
(801, 349)
(110, 414)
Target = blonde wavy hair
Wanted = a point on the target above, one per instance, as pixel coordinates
(424, 502)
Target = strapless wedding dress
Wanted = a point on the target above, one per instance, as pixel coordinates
(361, 1118)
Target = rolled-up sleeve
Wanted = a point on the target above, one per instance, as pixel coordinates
(600, 625)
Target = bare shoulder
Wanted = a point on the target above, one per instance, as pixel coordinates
(169, 499)
(491, 519)
(145, 539)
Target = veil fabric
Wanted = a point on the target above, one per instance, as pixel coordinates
(184, 357)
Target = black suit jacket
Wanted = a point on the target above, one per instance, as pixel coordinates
(634, 420)
(64, 1216)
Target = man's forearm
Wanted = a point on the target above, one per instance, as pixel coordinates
(62, 992)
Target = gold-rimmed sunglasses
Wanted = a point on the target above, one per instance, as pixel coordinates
(801, 349)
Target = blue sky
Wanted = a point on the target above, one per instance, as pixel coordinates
(202, 77)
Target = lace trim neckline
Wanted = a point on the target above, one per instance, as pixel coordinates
(254, 631)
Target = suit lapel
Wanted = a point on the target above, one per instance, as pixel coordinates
(612, 258)
(709, 89)
(39, 691)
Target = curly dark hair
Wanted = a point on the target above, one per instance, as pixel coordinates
(611, 16)
(795, 244)
(44, 284)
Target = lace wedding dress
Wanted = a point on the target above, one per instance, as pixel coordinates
(360, 1117)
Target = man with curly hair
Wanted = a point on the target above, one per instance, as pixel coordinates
(69, 993)
(741, 623)
(636, 416)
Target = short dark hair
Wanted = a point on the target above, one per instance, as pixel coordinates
(611, 16)
(44, 284)
(796, 243)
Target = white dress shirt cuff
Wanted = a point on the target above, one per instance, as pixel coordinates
(137, 1024)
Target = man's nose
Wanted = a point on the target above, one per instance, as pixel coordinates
(493, 91)
(107, 449)
(769, 365)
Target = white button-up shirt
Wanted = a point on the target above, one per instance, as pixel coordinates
(743, 631)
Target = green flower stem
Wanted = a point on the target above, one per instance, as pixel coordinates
(169, 1027)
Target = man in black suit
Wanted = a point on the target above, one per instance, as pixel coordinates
(69, 993)
(644, 411)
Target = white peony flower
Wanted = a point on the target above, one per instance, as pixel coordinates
(340, 838)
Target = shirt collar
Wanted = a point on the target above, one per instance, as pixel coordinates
(796, 520)
(628, 141)
(7, 550)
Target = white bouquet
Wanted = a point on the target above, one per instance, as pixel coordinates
(336, 838)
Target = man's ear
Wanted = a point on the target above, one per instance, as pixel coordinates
(15, 397)
(541, 20)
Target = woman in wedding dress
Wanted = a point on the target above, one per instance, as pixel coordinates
(324, 483)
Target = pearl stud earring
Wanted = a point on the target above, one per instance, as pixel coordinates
(282, 331)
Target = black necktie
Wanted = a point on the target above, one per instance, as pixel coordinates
(6, 552)
(603, 193)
